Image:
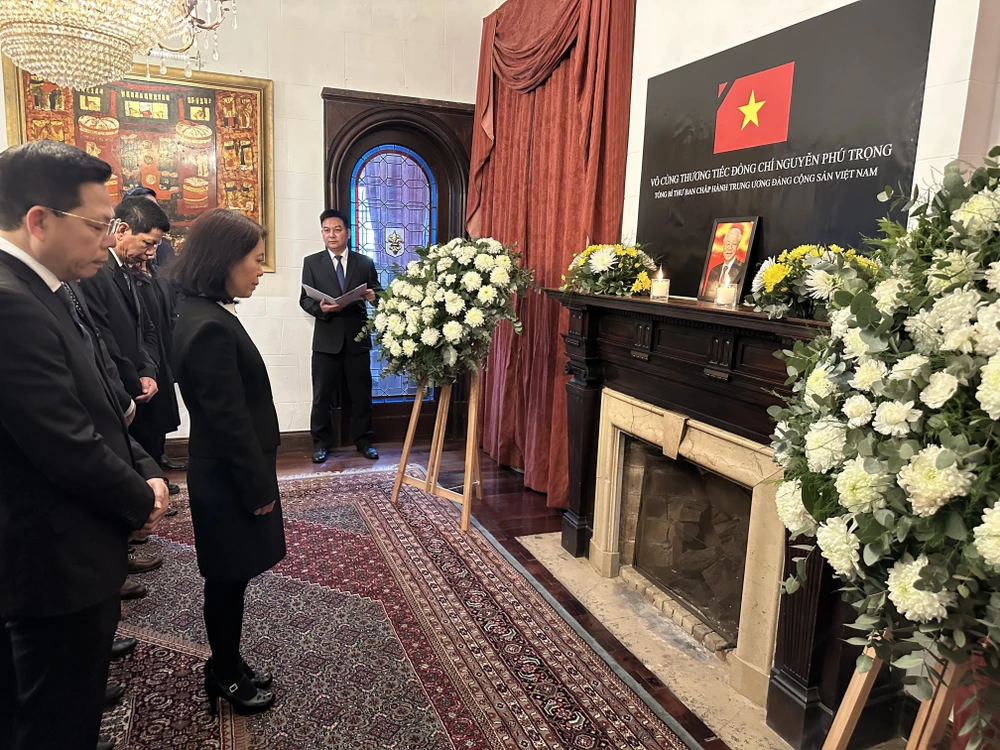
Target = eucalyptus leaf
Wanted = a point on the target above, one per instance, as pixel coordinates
(955, 528)
(864, 663)
(909, 661)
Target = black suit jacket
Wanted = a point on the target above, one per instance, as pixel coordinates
(227, 392)
(72, 481)
(128, 332)
(334, 331)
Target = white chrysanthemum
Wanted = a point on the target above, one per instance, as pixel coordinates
(929, 487)
(402, 305)
(395, 348)
(381, 321)
(430, 336)
(987, 536)
(956, 309)
(396, 325)
(992, 276)
(888, 295)
(908, 367)
(413, 315)
(455, 242)
(916, 604)
(782, 454)
(409, 347)
(988, 330)
(825, 443)
(504, 262)
(838, 323)
(818, 384)
(475, 318)
(450, 356)
(869, 373)
(484, 262)
(486, 295)
(961, 339)
(791, 511)
(449, 279)
(413, 268)
(757, 285)
(453, 303)
(942, 386)
(858, 411)
(452, 331)
(428, 314)
(822, 284)
(500, 275)
(979, 214)
(466, 255)
(923, 331)
(412, 329)
(950, 268)
(444, 264)
(440, 295)
(988, 392)
(603, 260)
(839, 546)
(859, 491)
(472, 281)
(855, 345)
(894, 417)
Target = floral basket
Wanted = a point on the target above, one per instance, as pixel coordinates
(435, 322)
(890, 442)
(799, 283)
(609, 269)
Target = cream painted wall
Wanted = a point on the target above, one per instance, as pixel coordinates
(961, 115)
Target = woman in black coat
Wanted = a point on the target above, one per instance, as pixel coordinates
(232, 482)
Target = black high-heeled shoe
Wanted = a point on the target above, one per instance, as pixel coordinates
(262, 680)
(244, 697)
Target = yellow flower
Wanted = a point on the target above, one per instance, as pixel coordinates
(867, 263)
(802, 251)
(837, 249)
(631, 251)
(637, 286)
(774, 275)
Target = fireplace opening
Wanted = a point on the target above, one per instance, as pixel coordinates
(686, 528)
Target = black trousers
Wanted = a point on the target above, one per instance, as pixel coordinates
(224, 625)
(328, 371)
(53, 674)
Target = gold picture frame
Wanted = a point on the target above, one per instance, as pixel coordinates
(240, 167)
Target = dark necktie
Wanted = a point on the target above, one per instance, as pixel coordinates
(72, 305)
(340, 273)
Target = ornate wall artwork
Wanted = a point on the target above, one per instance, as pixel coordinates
(200, 143)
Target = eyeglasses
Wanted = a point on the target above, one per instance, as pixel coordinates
(108, 227)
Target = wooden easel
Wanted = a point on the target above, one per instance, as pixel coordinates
(929, 725)
(473, 474)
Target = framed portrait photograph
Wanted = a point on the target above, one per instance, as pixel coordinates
(198, 143)
(728, 256)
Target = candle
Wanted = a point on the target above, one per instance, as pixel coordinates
(725, 295)
(660, 289)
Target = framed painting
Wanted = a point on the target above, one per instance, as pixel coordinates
(199, 143)
(727, 256)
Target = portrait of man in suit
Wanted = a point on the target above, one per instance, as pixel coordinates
(727, 258)
(339, 361)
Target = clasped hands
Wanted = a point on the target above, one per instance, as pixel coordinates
(161, 503)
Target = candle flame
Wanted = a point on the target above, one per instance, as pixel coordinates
(659, 276)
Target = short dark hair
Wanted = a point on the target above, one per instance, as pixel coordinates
(139, 191)
(216, 241)
(332, 213)
(45, 173)
(142, 215)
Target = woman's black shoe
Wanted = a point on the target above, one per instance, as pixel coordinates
(243, 697)
(262, 680)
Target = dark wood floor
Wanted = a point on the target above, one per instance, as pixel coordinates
(508, 511)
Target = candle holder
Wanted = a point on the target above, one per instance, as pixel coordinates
(659, 291)
(725, 295)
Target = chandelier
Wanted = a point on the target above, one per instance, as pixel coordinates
(84, 43)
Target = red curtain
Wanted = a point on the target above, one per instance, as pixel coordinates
(548, 174)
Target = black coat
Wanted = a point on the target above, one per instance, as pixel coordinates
(234, 437)
(128, 333)
(335, 330)
(157, 299)
(72, 481)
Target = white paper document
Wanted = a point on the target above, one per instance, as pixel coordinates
(356, 294)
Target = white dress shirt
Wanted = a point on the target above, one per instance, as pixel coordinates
(44, 274)
(333, 259)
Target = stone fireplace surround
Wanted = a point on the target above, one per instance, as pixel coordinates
(738, 459)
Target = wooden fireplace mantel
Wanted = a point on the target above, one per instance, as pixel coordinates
(717, 366)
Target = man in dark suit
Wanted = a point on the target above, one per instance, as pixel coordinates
(730, 267)
(73, 484)
(337, 357)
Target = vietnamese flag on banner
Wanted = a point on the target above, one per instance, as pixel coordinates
(755, 111)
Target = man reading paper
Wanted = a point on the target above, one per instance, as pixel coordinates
(338, 359)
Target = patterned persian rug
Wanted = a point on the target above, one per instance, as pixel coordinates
(386, 627)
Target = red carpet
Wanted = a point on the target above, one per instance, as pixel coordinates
(386, 627)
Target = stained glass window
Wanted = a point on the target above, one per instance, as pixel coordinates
(394, 209)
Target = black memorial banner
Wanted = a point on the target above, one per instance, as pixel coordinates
(803, 127)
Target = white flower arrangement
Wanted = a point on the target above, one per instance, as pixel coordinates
(890, 443)
(436, 319)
